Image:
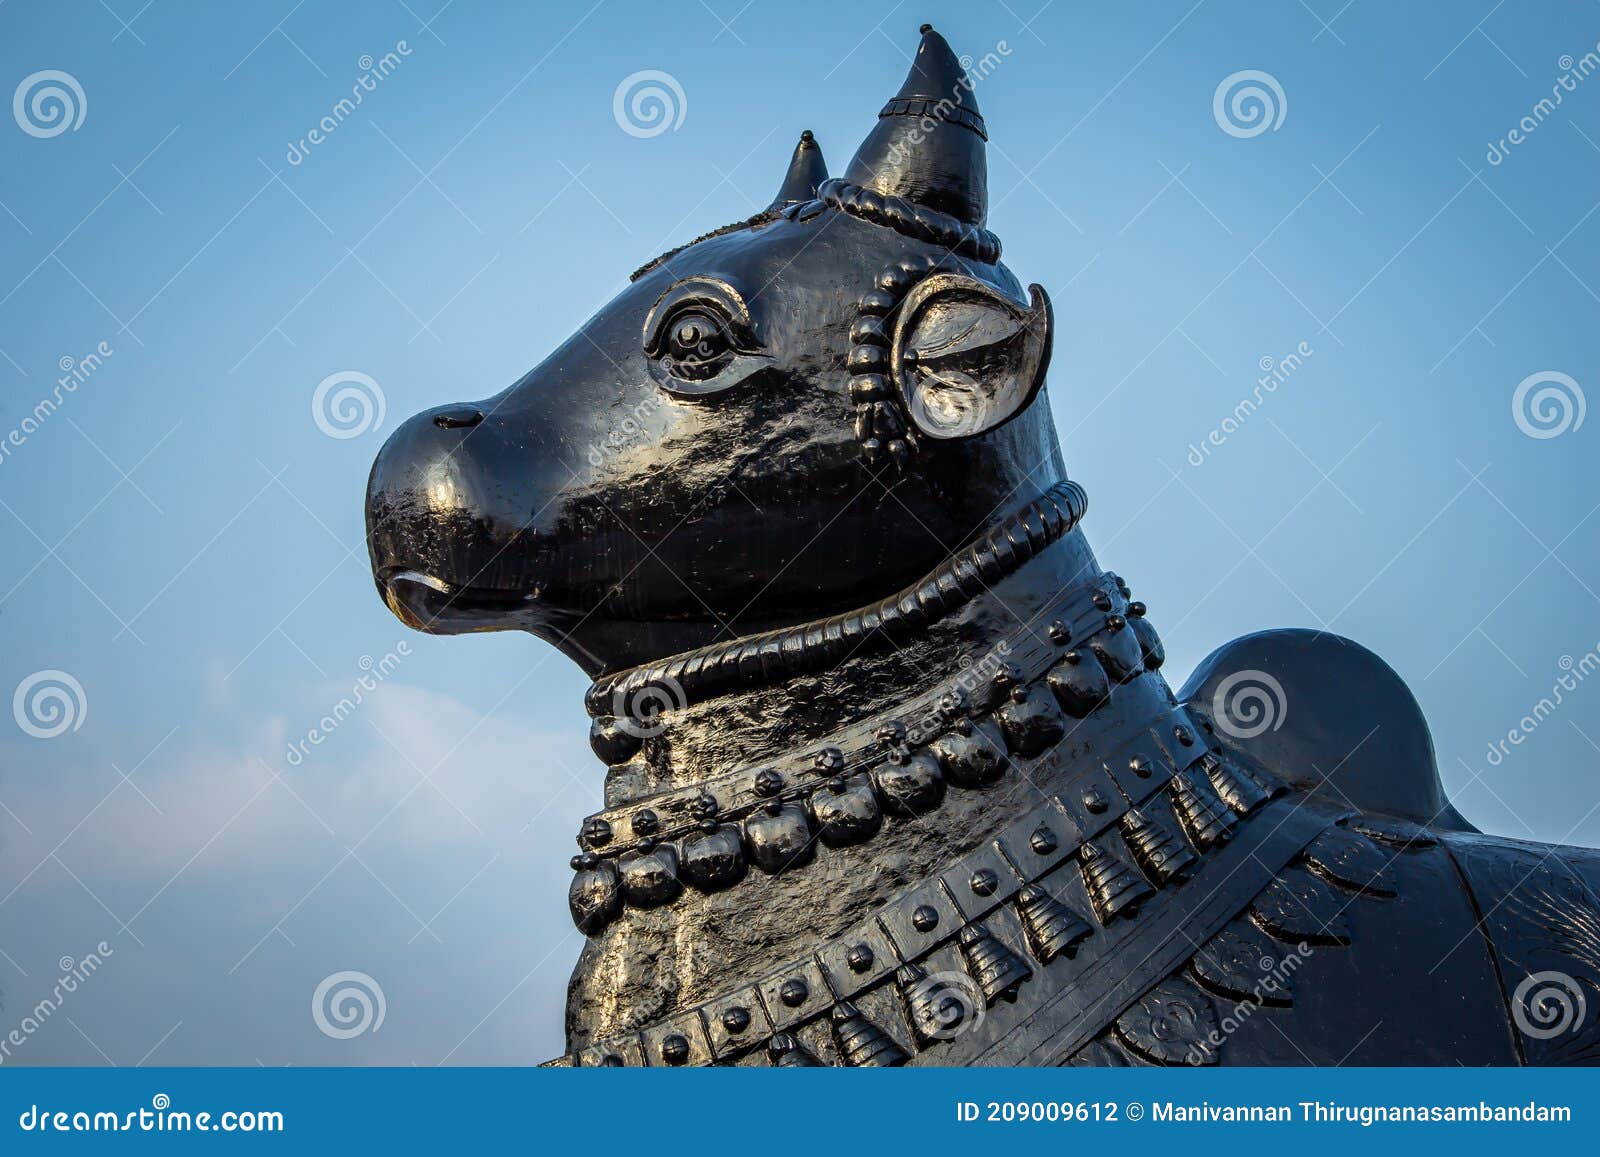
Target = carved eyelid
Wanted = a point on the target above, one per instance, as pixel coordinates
(709, 295)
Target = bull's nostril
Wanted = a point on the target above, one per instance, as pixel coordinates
(458, 419)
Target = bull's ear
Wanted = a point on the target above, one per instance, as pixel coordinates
(967, 358)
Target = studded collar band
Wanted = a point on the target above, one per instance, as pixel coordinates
(1006, 920)
(1012, 717)
(1026, 694)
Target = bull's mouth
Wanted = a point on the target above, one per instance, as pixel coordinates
(437, 606)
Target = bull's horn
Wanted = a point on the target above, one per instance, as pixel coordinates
(928, 144)
(807, 170)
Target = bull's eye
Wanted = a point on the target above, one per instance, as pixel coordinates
(699, 340)
(697, 346)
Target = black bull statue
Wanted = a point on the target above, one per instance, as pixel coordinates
(894, 776)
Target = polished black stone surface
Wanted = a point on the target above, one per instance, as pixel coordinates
(794, 501)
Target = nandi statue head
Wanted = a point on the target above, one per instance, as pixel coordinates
(892, 771)
(769, 425)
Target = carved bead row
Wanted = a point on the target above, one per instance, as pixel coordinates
(881, 424)
(912, 220)
(616, 740)
(1089, 614)
(953, 904)
(849, 806)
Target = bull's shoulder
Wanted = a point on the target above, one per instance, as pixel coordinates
(1362, 949)
(1540, 906)
(1324, 713)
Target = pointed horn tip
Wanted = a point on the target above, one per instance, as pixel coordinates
(807, 170)
(934, 165)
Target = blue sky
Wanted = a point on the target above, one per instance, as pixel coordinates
(183, 539)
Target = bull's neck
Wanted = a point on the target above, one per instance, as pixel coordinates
(821, 793)
(694, 717)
